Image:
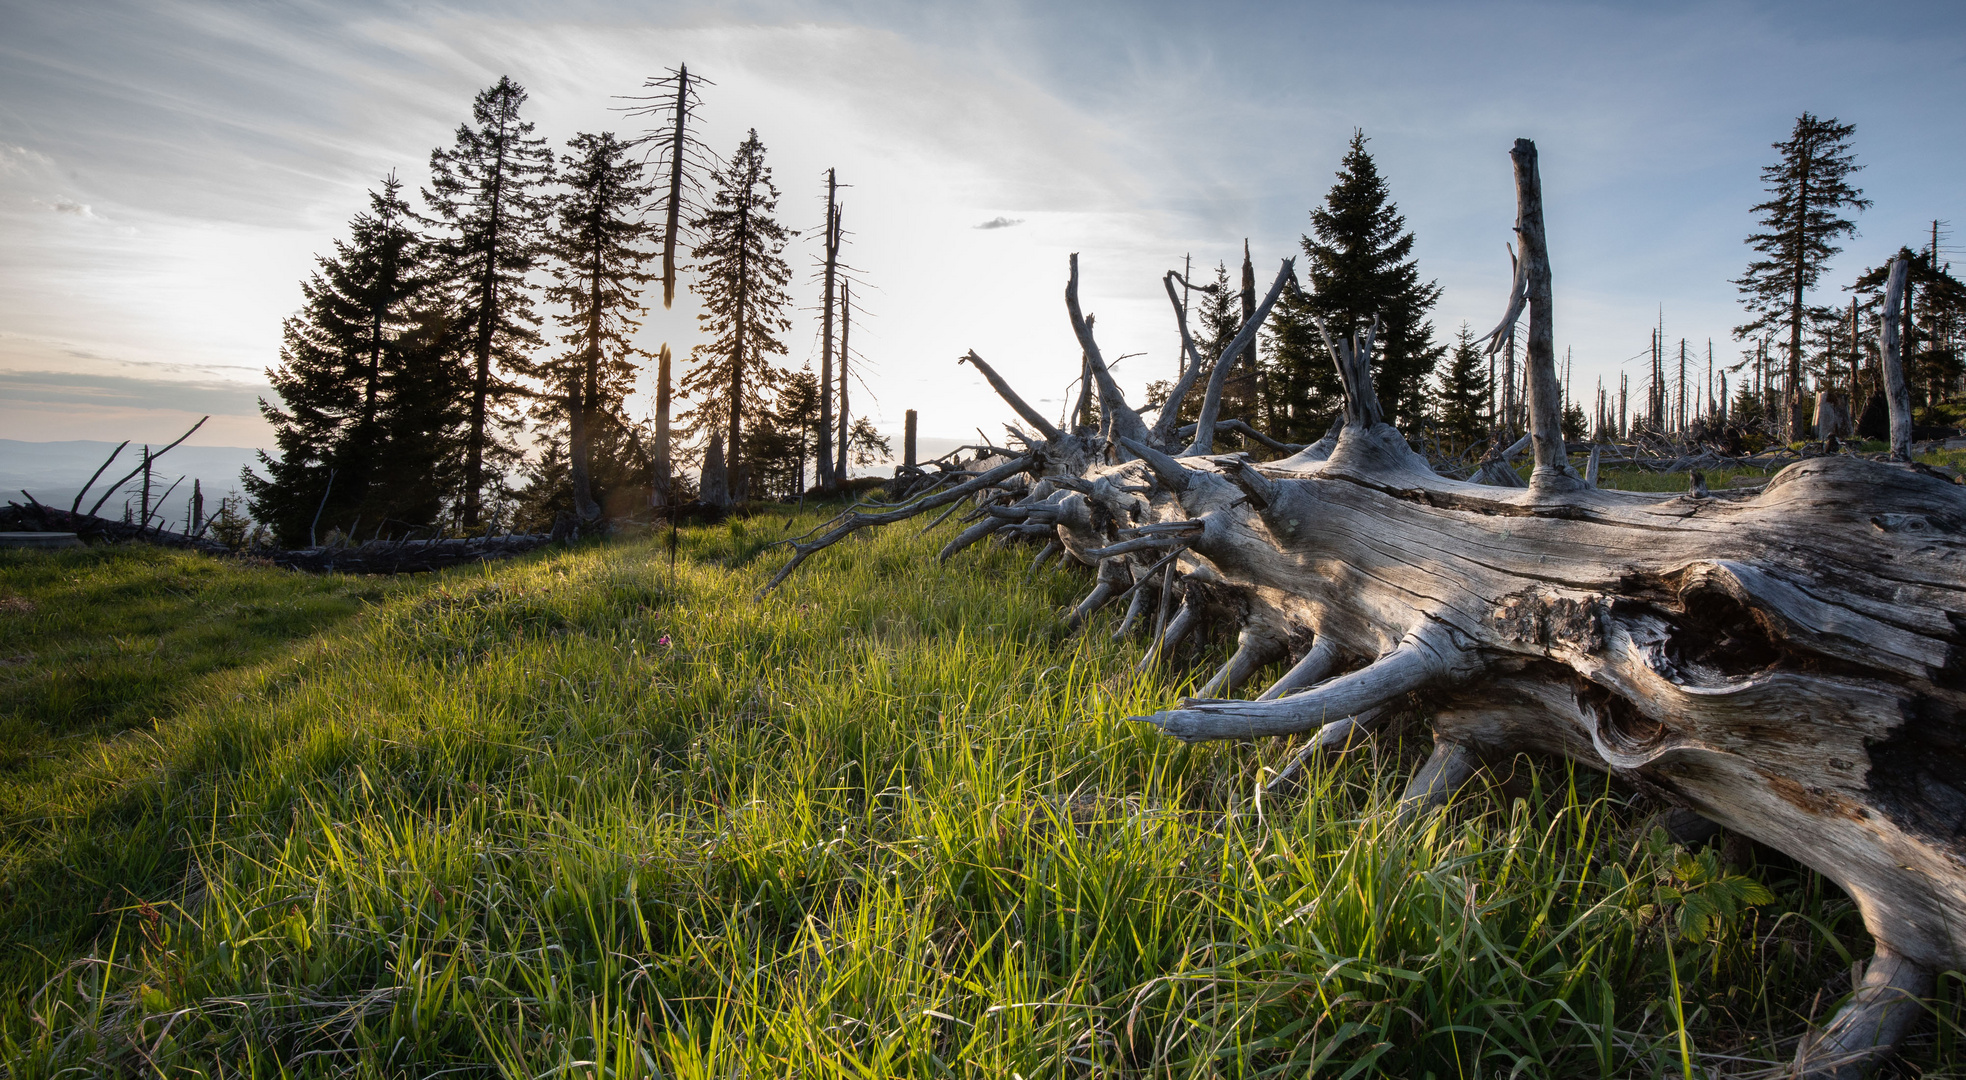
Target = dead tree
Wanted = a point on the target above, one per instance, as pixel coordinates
(831, 240)
(680, 155)
(1788, 661)
(662, 481)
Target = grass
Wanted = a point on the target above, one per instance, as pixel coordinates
(562, 817)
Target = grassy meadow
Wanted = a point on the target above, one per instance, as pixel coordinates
(575, 815)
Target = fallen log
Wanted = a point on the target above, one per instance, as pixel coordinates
(406, 556)
(1789, 661)
(36, 517)
(375, 557)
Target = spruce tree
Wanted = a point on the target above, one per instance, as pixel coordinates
(1463, 394)
(364, 385)
(1808, 190)
(486, 191)
(1359, 259)
(597, 260)
(741, 276)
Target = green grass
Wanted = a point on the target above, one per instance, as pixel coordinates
(887, 822)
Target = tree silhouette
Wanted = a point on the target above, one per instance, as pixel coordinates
(485, 191)
(368, 394)
(741, 276)
(597, 275)
(1808, 189)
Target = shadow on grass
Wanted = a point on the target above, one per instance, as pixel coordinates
(96, 642)
(101, 651)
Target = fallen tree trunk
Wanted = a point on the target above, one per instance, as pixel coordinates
(1789, 662)
(406, 556)
(37, 517)
(375, 557)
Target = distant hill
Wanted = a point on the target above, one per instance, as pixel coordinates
(53, 471)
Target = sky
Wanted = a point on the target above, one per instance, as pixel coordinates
(168, 170)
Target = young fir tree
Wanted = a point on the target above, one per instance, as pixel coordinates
(781, 438)
(597, 267)
(741, 277)
(367, 421)
(1808, 190)
(1359, 260)
(485, 191)
(1463, 394)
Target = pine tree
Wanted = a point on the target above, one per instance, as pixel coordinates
(1808, 188)
(486, 190)
(365, 387)
(1463, 394)
(597, 277)
(741, 277)
(1360, 262)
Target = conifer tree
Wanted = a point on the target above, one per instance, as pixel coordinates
(741, 276)
(1359, 259)
(597, 266)
(485, 191)
(368, 396)
(1808, 190)
(1463, 395)
(782, 437)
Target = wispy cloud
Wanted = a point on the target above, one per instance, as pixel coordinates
(63, 205)
(110, 391)
(1001, 222)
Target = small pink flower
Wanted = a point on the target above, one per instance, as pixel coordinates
(663, 640)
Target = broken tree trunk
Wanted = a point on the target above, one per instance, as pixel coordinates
(1789, 662)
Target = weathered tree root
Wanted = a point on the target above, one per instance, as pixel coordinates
(1788, 662)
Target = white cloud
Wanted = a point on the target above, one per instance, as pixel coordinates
(1000, 222)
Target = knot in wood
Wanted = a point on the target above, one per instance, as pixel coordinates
(1546, 623)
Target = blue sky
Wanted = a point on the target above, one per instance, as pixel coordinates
(167, 170)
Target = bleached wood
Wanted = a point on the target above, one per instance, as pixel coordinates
(1253, 650)
(1211, 402)
(1897, 396)
(1552, 470)
(1878, 1016)
(1424, 658)
(1170, 410)
(1031, 416)
(1318, 663)
(1450, 766)
(1118, 419)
